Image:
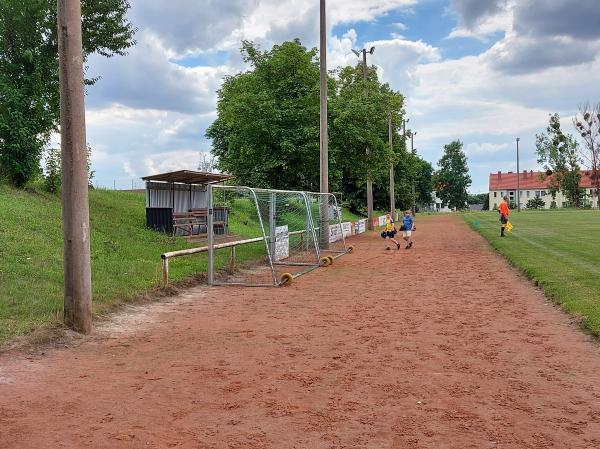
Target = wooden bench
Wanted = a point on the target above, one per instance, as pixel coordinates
(219, 221)
(186, 222)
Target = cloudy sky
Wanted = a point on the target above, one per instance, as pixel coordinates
(482, 71)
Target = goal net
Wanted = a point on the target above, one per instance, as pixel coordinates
(327, 221)
(269, 236)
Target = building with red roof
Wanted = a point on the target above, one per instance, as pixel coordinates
(534, 185)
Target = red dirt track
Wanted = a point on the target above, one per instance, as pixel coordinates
(442, 346)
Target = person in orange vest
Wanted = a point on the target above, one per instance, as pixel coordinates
(504, 211)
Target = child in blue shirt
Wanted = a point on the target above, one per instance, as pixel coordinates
(408, 224)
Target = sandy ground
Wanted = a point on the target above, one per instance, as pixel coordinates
(442, 346)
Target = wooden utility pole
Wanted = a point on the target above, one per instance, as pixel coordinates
(324, 180)
(324, 130)
(75, 207)
(392, 185)
(369, 177)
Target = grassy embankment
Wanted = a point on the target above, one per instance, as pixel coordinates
(559, 249)
(126, 260)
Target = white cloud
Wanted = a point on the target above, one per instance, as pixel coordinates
(487, 148)
(146, 79)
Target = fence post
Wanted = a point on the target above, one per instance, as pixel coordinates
(232, 260)
(272, 222)
(165, 273)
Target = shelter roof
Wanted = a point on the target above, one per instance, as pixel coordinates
(189, 177)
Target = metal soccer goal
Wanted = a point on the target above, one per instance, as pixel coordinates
(270, 236)
(327, 221)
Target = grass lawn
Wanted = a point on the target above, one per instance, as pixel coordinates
(126, 260)
(125, 256)
(560, 249)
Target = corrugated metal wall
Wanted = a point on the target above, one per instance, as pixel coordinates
(180, 197)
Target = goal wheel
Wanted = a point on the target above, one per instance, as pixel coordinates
(330, 260)
(350, 249)
(325, 262)
(286, 279)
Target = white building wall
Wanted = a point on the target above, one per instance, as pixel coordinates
(528, 194)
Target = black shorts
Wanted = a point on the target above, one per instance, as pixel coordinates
(503, 219)
(391, 234)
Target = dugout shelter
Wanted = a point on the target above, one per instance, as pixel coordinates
(172, 195)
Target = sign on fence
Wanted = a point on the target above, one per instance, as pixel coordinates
(347, 229)
(361, 226)
(335, 233)
(282, 243)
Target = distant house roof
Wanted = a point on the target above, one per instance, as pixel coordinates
(189, 177)
(529, 180)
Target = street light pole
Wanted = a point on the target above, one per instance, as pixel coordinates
(369, 178)
(324, 136)
(412, 141)
(518, 179)
(414, 187)
(75, 205)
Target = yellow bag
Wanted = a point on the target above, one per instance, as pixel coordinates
(509, 226)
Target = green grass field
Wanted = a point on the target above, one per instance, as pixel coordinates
(559, 249)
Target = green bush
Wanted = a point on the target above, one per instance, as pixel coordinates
(536, 203)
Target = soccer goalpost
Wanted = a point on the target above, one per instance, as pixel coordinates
(271, 236)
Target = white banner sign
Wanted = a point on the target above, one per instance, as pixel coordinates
(282, 243)
(382, 220)
(347, 229)
(335, 233)
(361, 226)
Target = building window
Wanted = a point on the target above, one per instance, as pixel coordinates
(511, 194)
(495, 194)
(543, 193)
(537, 194)
(528, 193)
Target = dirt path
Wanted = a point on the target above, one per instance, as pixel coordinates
(443, 346)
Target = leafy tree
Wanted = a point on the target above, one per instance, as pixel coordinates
(53, 172)
(477, 199)
(535, 203)
(29, 84)
(587, 124)
(452, 180)
(359, 133)
(208, 163)
(267, 129)
(560, 154)
(424, 182)
(486, 202)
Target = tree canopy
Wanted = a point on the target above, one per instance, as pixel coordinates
(29, 84)
(267, 128)
(452, 180)
(559, 153)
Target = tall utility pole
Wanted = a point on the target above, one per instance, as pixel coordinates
(518, 179)
(369, 178)
(414, 187)
(75, 207)
(392, 186)
(324, 143)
